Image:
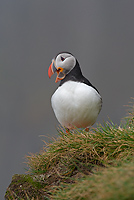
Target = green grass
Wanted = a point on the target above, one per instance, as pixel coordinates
(114, 183)
(85, 165)
(81, 150)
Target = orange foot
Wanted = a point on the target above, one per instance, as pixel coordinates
(67, 130)
(87, 129)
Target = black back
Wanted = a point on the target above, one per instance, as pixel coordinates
(76, 75)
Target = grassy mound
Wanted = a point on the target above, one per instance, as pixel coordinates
(112, 183)
(97, 164)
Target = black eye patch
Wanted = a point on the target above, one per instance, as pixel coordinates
(62, 58)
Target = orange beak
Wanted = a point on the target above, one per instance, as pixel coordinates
(58, 79)
(52, 69)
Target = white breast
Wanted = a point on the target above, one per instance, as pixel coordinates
(76, 104)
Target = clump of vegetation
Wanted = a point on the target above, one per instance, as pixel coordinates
(84, 161)
(110, 184)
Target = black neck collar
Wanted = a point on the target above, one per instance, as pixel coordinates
(76, 75)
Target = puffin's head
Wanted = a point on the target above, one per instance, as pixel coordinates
(63, 63)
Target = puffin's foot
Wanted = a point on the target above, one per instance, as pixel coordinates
(68, 130)
(87, 129)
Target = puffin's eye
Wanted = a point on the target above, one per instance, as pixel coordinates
(62, 58)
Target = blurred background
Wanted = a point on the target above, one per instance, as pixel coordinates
(99, 33)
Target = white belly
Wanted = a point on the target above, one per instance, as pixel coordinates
(76, 104)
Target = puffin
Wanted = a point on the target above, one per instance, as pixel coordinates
(76, 102)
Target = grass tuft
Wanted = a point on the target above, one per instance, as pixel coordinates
(110, 184)
(80, 150)
(97, 164)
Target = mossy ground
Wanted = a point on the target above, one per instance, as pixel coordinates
(25, 187)
(81, 165)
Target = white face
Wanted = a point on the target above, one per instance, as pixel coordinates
(66, 61)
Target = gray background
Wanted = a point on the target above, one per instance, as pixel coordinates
(100, 33)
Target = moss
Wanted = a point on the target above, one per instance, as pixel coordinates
(24, 187)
